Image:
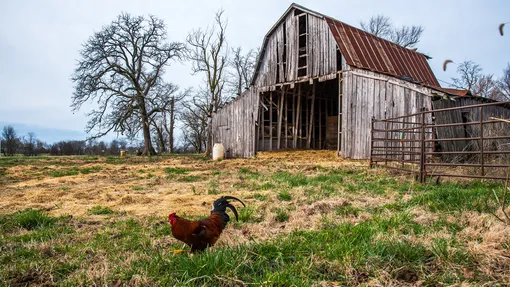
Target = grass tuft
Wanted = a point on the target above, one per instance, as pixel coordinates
(28, 219)
(281, 215)
(284, 195)
(100, 210)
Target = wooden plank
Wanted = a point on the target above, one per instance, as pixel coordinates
(262, 126)
(320, 122)
(310, 131)
(270, 120)
(294, 119)
(286, 122)
(280, 117)
(298, 111)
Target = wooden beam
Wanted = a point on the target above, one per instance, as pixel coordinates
(271, 121)
(280, 117)
(310, 131)
(307, 129)
(293, 117)
(286, 123)
(320, 124)
(262, 131)
(298, 111)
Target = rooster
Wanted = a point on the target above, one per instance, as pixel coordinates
(203, 233)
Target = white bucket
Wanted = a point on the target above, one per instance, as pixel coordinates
(218, 151)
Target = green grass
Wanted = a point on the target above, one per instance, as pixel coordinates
(88, 170)
(284, 195)
(261, 197)
(65, 172)
(249, 214)
(100, 210)
(175, 170)
(190, 178)
(301, 258)
(454, 197)
(347, 210)
(28, 219)
(281, 215)
(353, 245)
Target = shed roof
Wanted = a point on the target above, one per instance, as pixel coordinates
(455, 92)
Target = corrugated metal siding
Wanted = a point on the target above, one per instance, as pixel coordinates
(366, 51)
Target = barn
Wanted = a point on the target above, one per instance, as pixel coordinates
(463, 108)
(318, 83)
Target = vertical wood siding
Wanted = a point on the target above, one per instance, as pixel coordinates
(466, 131)
(366, 95)
(321, 50)
(234, 125)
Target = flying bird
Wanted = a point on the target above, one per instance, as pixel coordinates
(446, 63)
(200, 234)
(501, 28)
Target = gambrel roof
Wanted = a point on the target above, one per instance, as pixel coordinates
(363, 50)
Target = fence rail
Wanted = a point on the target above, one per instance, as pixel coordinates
(467, 141)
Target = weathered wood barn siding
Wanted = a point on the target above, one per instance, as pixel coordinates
(234, 125)
(303, 57)
(367, 94)
(280, 54)
(466, 131)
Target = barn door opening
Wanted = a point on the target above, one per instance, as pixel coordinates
(304, 116)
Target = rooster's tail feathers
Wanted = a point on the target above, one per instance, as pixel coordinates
(221, 204)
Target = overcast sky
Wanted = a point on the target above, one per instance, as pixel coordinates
(40, 41)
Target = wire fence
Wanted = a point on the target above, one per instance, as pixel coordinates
(467, 141)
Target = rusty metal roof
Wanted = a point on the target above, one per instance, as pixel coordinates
(366, 51)
(455, 92)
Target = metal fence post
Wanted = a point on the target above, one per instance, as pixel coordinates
(422, 148)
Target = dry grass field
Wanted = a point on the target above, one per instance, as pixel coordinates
(311, 219)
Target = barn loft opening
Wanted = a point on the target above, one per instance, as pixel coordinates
(302, 45)
(301, 117)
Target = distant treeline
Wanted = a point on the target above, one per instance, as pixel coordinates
(29, 145)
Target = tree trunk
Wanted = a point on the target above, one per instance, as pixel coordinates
(208, 143)
(172, 126)
(161, 139)
(148, 149)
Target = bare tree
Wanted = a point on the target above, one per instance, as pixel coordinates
(29, 143)
(407, 36)
(162, 101)
(243, 66)
(471, 78)
(208, 53)
(469, 74)
(195, 120)
(504, 84)
(381, 26)
(487, 87)
(169, 120)
(120, 67)
(11, 142)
